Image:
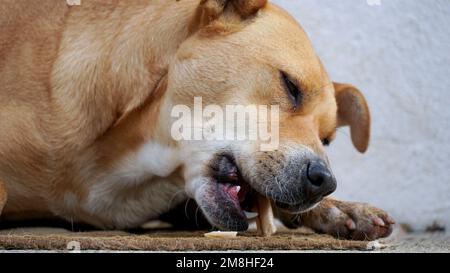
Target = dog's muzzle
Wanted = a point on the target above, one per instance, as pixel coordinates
(314, 182)
(294, 184)
(295, 180)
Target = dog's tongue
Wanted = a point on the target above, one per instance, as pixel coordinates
(265, 221)
(233, 191)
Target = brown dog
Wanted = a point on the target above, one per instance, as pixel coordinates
(86, 94)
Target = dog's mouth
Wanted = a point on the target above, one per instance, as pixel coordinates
(230, 200)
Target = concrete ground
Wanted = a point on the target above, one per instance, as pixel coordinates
(422, 243)
(437, 242)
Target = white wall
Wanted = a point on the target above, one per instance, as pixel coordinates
(398, 54)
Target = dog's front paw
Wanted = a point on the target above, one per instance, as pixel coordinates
(348, 220)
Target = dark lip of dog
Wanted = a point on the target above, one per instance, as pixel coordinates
(229, 198)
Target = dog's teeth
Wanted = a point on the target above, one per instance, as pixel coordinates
(232, 176)
(250, 215)
(238, 189)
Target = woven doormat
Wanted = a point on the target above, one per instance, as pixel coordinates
(166, 240)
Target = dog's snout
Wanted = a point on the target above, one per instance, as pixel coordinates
(295, 183)
(320, 180)
(318, 173)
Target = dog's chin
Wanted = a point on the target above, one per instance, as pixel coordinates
(298, 209)
(228, 205)
(227, 199)
(220, 202)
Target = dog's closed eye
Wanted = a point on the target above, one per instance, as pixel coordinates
(294, 93)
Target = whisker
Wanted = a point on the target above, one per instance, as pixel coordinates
(185, 208)
(173, 198)
(196, 218)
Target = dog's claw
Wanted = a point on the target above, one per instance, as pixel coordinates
(389, 220)
(378, 222)
(350, 224)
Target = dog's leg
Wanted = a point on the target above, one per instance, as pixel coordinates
(346, 220)
(3, 196)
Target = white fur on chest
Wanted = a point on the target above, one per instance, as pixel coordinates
(152, 159)
(141, 187)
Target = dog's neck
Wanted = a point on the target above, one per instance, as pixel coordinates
(117, 74)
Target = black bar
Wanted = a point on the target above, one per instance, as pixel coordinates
(219, 262)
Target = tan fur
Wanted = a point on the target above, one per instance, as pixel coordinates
(354, 111)
(84, 88)
(66, 73)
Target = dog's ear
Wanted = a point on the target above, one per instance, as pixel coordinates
(353, 111)
(210, 10)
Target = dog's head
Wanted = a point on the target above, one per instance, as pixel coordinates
(253, 53)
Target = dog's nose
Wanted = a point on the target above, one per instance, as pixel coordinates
(321, 181)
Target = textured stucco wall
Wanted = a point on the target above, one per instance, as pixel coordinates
(398, 54)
